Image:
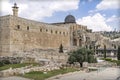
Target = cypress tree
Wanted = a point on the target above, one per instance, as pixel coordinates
(61, 49)
(90, 47)
(118, 53)
(104, 51)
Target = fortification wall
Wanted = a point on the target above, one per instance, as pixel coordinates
(4, 36)
(27, 34)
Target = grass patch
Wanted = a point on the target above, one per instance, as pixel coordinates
(37, 75)
(107, 59)
(110, 60)
(116, 61)
(17, 65)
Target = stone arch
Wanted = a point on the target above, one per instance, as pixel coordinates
(46, 30)
(60, 32)
(41, 30)
(18, 26)
(56, 32)
(80, 42)
(74, 42)
(51, 31)
(27, 27)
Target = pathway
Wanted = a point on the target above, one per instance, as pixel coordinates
(106, 74)
(14, 78)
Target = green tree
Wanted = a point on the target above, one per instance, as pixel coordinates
(81, 55)
(104, 51)
(90, 46)
(61, 49)
(118, 53)
(90, 57)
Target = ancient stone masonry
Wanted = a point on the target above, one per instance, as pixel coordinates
(4, 35)
(27, 69)
(18, 35)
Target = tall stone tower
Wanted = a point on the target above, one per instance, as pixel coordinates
(15, 10)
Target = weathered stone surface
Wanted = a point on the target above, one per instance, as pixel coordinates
(19, 35)
(23, 70)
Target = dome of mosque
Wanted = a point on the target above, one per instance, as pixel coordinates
(70, 19)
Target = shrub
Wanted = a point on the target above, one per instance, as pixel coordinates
(108, 59)
(118, 53)
(118, 62)
(1, 64)
(6, 62)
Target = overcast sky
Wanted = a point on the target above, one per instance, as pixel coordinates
(99, 15)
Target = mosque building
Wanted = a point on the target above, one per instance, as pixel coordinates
(19, 34)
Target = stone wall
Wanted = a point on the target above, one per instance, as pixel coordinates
(39, 35)
(11, 60)
(4, 36)
(27, 69)
(39, 54)
(19, 34)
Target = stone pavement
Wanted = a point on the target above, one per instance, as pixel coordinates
(14, 78)
(105, 74)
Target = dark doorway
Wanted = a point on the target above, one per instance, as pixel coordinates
(80, 42)
(74, 42)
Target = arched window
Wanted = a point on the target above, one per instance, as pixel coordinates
(74, 42)
(40, 30)
(56, 32)
(27, 27)
(60, 32)
(51, 31)
(18, 26)
(63, 33)
(46, 30)
(80, 42)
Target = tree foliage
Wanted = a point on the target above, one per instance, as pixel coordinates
(104, 51)
(81, 55)
(90, 46)
(118, 53)
(61, 49)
